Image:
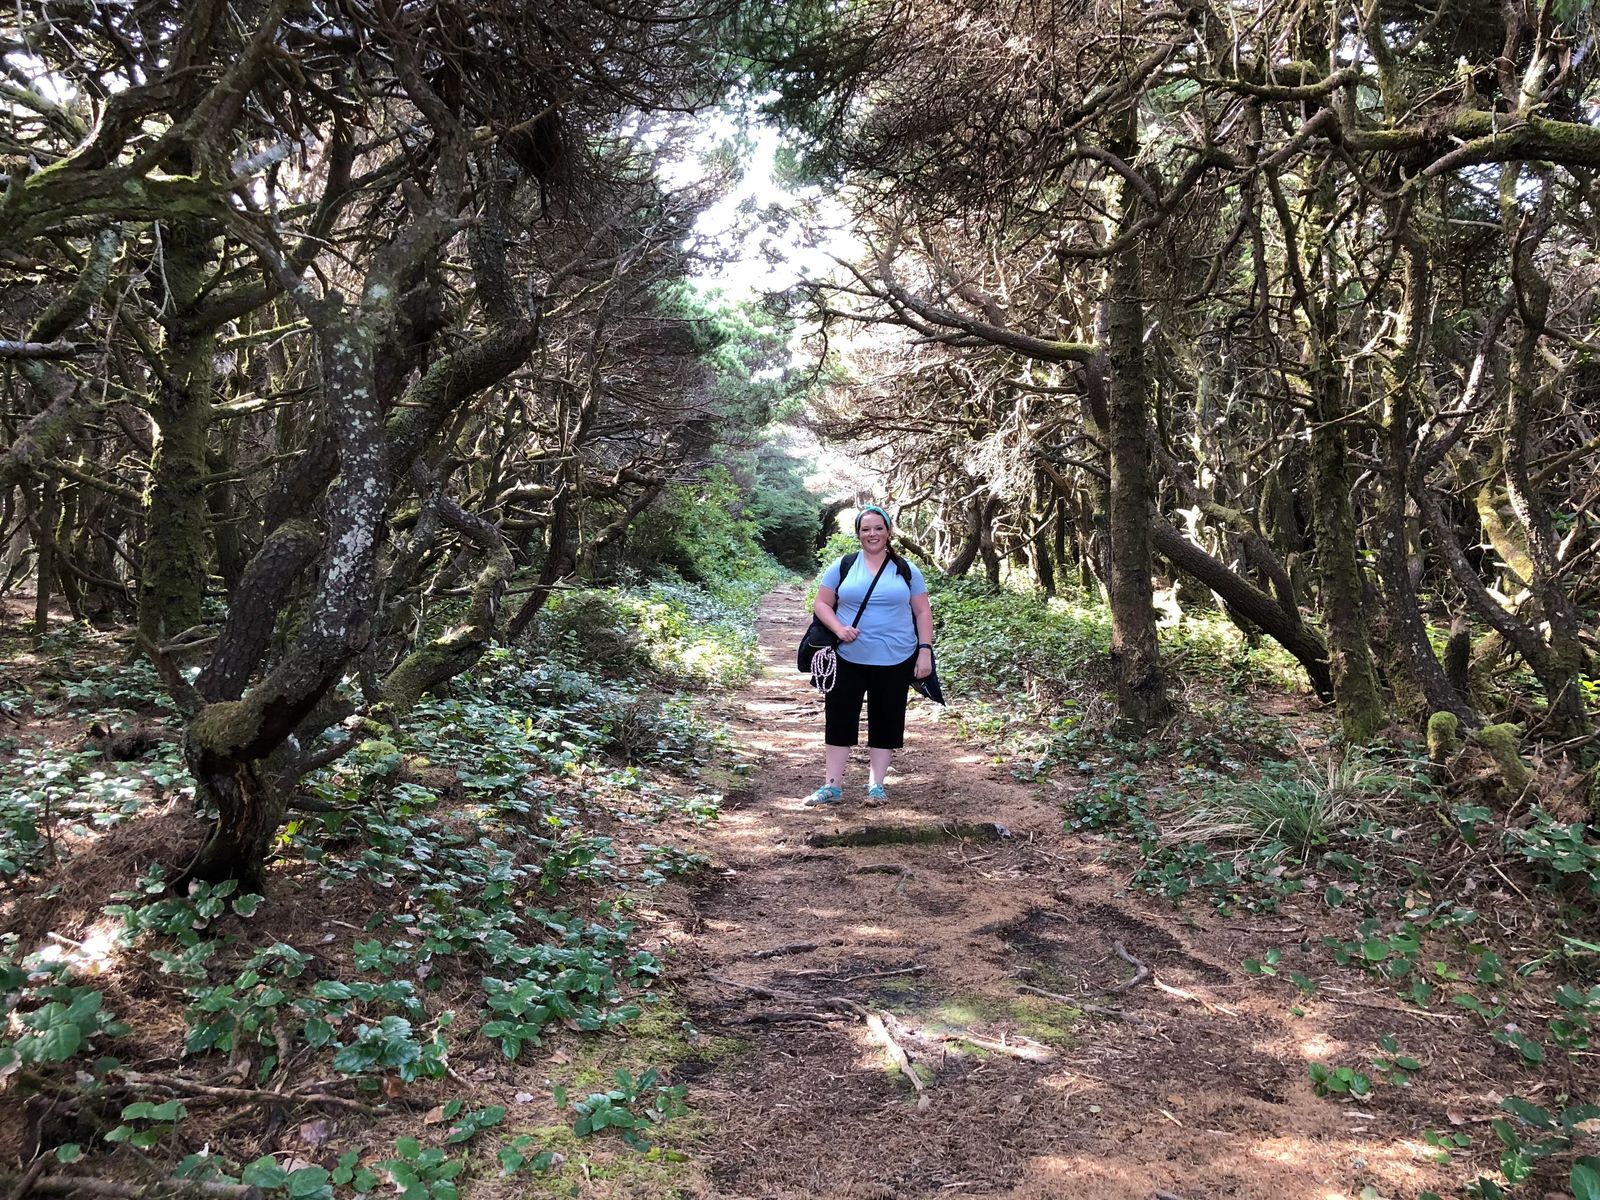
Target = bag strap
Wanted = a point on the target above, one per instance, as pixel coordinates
(845, 563)
(845, 566)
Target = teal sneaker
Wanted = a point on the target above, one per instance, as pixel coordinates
(876, 794)
(827, 794)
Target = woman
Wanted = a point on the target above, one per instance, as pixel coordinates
(880, 651)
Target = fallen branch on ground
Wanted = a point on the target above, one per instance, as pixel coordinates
(139, 1080)
(785, 1017)
(1098, 1010)
(25, 1184)
(1026, 1050)
(1140, 971)
(910, 835)
(1181, 994)
(89, 1185)
(895, 1051)
(780, 951)
(917, 969)
(1335, 996)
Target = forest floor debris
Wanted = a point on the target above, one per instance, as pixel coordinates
(1014, 1086)
(1017, 1017)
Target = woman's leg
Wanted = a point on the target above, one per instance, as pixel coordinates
(835, 759)
(886, 716)
(843, 720)
(878, 760)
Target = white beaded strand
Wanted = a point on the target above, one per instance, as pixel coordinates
(824, 670)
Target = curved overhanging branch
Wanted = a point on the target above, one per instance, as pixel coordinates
(451, 653)
(929, 319)
(88, 188)
(64, 402)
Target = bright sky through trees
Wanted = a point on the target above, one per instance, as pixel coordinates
(762, 235)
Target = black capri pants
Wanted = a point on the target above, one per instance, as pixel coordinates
(886, 691)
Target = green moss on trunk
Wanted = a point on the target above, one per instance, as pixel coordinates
(1505, 535)
(218, 746)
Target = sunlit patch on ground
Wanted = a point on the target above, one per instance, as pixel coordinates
(95, 953)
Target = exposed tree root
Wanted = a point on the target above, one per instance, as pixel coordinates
(172, 1083)
(915, 969)
(1098, 1010)
(876, 1023)
(781, 951)
(911, 835)
(785, 1017)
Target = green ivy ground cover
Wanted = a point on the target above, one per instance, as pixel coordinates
(481, 868)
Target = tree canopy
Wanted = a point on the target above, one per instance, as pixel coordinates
(324, 321)
(337, 336)
(1295, 298)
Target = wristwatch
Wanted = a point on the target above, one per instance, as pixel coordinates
(928, 646)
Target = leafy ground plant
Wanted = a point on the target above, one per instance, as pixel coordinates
(1531, 1135)
(461, 856)
(630, 1108)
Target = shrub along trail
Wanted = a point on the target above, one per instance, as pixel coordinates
(1173, 1072)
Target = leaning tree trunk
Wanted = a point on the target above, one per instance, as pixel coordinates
(231, 745)
(1355, 683)
(1043, 568)
(1356, 693)
(236, 745)
(456, 650)
(552, 569)
(988, 551)
(44, 569)
(1568, 662)
(980, 513)
(828, 520)
(1247, 602)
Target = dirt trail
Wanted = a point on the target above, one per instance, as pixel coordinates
(1151, 1095)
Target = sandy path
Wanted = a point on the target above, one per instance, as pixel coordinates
(1170, 1096)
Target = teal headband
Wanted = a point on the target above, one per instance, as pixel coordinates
(887, 519)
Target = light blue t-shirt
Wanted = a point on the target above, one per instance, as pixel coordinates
(888, 631)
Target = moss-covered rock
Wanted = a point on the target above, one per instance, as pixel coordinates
(1501, 743)
(1444, 737)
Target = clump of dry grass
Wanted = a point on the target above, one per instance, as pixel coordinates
(1302, 808)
